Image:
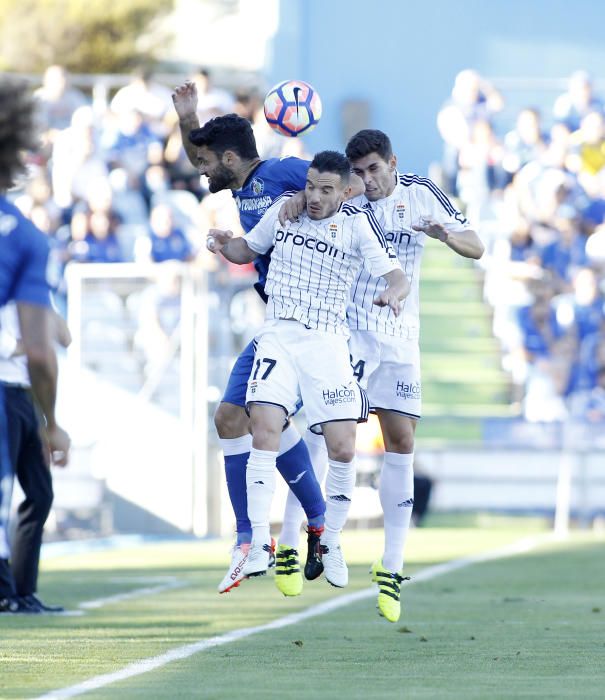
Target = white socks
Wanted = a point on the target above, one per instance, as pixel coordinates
(260, 484)
(236, 446)
(397, 498)
(339, 491)
(293, 512)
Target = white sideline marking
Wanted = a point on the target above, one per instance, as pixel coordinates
(139, 667)
(119, 597)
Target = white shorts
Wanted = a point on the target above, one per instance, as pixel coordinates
(294, 363)
(388, 369)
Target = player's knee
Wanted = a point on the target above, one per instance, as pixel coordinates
(341, 451)
(265, 436)
(399, 438)
(402, 444)
(230, 421)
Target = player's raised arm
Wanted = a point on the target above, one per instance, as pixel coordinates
(184, 99)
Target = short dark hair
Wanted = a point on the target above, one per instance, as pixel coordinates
(17, 131)
(369, 141)
(226, 133)
(332, 162)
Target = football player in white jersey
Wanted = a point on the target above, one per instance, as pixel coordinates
(302, 351)
(384, 347)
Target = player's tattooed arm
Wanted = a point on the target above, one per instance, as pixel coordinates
(184, 99)
(236, 250)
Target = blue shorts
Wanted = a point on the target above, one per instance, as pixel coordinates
(238, 379)
(237, 386)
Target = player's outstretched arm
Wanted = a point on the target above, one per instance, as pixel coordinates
(397, 290)
(184, 99)
(465, 242)
(236, 250)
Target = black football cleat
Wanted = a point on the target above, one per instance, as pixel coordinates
(313, 566)
(17, 606)
(36, 605)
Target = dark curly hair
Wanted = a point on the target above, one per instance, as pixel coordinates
(226, 133)
(17, 129)
(369, 141)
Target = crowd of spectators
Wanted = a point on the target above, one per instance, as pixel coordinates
(538, 195)
(112, 183)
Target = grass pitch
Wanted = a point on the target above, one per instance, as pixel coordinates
(531, 625)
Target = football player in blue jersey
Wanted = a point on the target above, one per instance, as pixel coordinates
(225, 151)
(23, 261)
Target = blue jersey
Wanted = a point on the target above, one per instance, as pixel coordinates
(24, 254)
(268, 181)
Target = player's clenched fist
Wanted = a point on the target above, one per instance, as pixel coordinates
(184, 99)
(217, 239)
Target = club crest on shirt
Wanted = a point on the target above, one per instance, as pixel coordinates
(333, 230)
(257, 186)
(400, 209)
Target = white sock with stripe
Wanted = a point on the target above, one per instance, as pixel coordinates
(396, 491)
(260, 485)
(339, 491)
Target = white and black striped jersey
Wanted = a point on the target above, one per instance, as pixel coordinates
(314, 263)
(412, 198)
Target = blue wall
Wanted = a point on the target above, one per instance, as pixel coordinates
(403, 56)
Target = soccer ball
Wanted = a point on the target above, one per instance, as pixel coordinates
(292, 108)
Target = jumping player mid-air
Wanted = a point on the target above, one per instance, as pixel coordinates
(384, 346)
(302, 351)
(225, 151)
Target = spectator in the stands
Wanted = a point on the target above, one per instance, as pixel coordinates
(479, 168)
(587, 156)
(57, 102)
(578, 100)
(76, 159)
(567, 253)
(472, 99)
(166, 240)
(147, 97)
(590, 405)
(525, 142)
(127, 144)
(211, 101)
